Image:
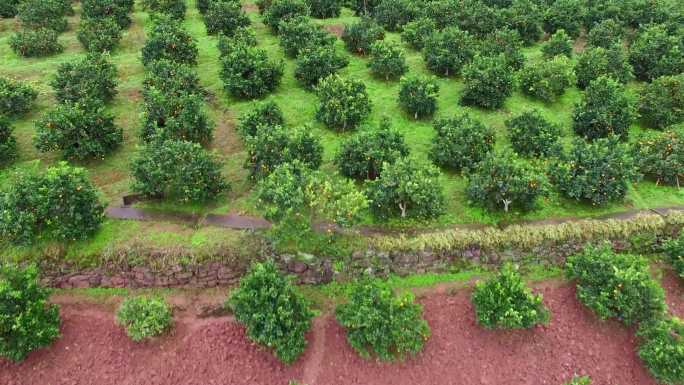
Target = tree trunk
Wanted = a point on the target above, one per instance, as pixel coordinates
(402, 207)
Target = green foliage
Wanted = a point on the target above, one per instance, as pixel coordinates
(380, 323)
(505, 302)
(662, 102)
(8, 143)
(103, 10)
(35, 43)
(16, 98)
(225, 16)
(655, 52)
(598, 172)
(531, 135)
(203, 6)
(248, 73)
(177, 170)
(299, 33)
(243, 37)
(504, 181)
(79, 130)
(363, 155)
(8, 8)
(416, 32)
(272, 310)
(605, 34)
(266, 114)
(60, 204)
(99, 35)
(547, 80)
(558, 44)
(418, 95)
(344, 102)
(445, 13)
(281, 10)
(488, 82)
(324, 9)
(660, 156)
(359, 36)
(525, 16)
(144, 317)
(662, 349)
(461, 142)
(27, 320)
(363, 7)
(393, 14)
(674, 250)
(37, 14)
(174, 9)
(616, 285)
(168, 40)
(408, 189)
(93, 78)
(170, 116)
(604, 110)
(274, 145)
(317, 63)
(387, 60)
(171, 79)
(579, 380)
(596, 62)
(477, 18)
(566, 15)
(447, 51)
(506, 42)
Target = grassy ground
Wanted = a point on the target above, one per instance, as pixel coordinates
(112, 177)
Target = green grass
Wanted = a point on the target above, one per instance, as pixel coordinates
(112, 174)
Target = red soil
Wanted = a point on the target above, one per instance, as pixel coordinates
(93, 350)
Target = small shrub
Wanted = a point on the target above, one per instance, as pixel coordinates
(168, 40)
(547, 80)
(16, 98)
(61, 204)
(393, 14)
(662, 349)
(344, 103)
(248, 73)
(380, 323)
(598, 172)
(418, 95)
(525, 16)
(102, 10)
(359, 36)
(79, 131)
(416, 32)
(504, 42)
(387, 60)
(266, 114)
(281, 10)
(660, 156)
(8, 143)
(674, 250)
(616, 285)
(662, 102)
(144, 317)
(299, 33)
(579, 380)
(273, 146)
(324, 9)
(531, 135)
(273, 312)
(596, 62)
(177, 170)
(558, 44)
(93, 78)
(37, 14)
(605, 34)
(447, 51)
(99, 35)
(604, 110)
(318, 63)
(28, 320)
(503, 181)
(407, 189)
(566, 15)
(181, 117)
(488, 82)
(35, 43)
(506, 302)
(225, 16)
(655, 52)
(243, 37)
(461, 142)
(174, 9)
(363, 155)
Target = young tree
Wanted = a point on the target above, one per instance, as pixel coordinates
(171, 79)
(656, 52)
(299, 33)
(359, 36)
(36, 43)
(324, 9)
(461, 142)
(243, 37)
(363, 155)
(418, 95)
(276, 145)
(606, 34)
(525, 16)
(662, 102)
(317, 63)
(660, 156)
(266, 114)
(662, 349)
(387, 60)
(531, 135)
(567, 15)
(102, 10)
(170, 116)
(174, 9)
(8, 9)
(547, 80)
(93, 78)
(225, 16)
(558, 44)
(447, 51)
(99, 35)
(595, 62)
(476, 17)
(248, 73)
(16, 98)
(8, 143)
(604, 110)
(394, 14)
(281, 10)
(343, 103)
(144, 317)
(488, 82)
(37, 14)
(503, 181)
(407, 189)
(416, 32)
(504, 42)
(168, 40)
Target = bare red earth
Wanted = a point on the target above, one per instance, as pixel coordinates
(93, 350)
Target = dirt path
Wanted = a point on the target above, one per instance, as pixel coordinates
(312, 366)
